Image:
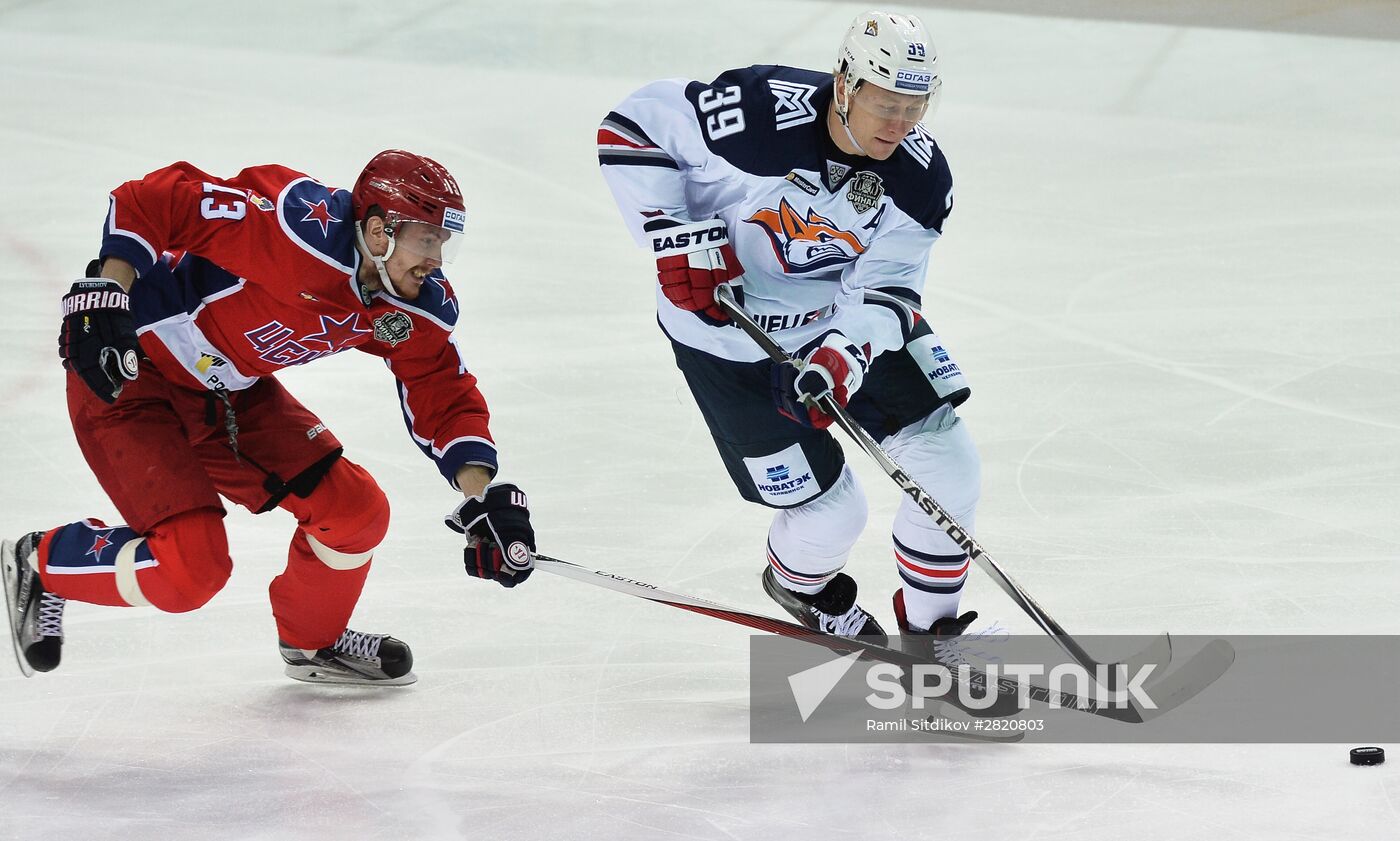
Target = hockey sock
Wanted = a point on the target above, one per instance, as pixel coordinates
(933, 584)
(933, 567)
(312, 601)
(809, 544)
(340, 525)
(178, 567)
(79, 561)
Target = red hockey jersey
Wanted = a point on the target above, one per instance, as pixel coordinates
(244, 276)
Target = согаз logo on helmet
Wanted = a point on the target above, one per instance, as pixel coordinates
(913, 80)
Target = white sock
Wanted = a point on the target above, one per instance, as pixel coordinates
(809, 544)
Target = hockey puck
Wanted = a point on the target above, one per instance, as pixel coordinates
(1367, 756)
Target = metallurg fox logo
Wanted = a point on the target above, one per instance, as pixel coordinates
(806, 243)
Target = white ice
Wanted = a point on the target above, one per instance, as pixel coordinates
(1171, 276)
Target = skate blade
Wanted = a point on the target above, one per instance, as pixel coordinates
(9, 566)
(316, 674)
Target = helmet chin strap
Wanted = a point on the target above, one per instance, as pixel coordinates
(843, 112)
(852, 138)
(378, 261)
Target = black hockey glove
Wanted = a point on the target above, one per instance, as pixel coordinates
(98, 338)
(500, 540)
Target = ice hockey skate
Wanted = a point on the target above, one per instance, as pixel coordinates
(941, 629)
(35, 615)
(937, 643)
(832, 611)
(356, 658)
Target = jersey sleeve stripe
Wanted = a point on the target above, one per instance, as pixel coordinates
(608, 139)
(465, 451)
(622, 142)
(456, 453)
(612, 158)
(898, 304)
(624, 128)
(128, 245)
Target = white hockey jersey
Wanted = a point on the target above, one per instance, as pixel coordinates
(827, 240)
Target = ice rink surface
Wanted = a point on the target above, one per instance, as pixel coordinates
(1170, 275)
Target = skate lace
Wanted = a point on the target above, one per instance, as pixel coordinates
(951, 652)
(848, 624)
(51, 615)
(357, 644)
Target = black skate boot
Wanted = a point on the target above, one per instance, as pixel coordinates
(941, 643)
(942, 629)
(355, 658)
(35, 615)
(832, 611)
(937, 643)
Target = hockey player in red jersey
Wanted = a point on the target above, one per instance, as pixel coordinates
(203, 289)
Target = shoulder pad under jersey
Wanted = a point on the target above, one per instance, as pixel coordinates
(922, 183)
(761, 118)
(319, 219)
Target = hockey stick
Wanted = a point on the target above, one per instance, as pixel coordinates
(1168, 693)
(1159, 652)
(840, 645)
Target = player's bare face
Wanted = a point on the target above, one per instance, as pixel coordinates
(417, 252)
(879, 119)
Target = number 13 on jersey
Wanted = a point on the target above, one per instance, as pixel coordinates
(218, 207)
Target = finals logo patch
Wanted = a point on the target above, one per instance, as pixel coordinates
(392, 328)
(865, 192)
(806, 243)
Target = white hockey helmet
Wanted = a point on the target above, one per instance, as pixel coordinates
(893, 52)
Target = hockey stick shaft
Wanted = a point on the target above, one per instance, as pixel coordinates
(841, 645)
(724, 296)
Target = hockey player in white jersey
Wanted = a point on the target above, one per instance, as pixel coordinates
(822, 194)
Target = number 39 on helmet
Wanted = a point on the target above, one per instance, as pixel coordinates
(894, 52)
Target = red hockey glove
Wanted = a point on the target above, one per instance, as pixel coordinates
(835, 366)
(692, 258)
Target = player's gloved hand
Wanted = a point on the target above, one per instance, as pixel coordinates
(833, 366)
(500, 539)
(692, 258)
(98, 338)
